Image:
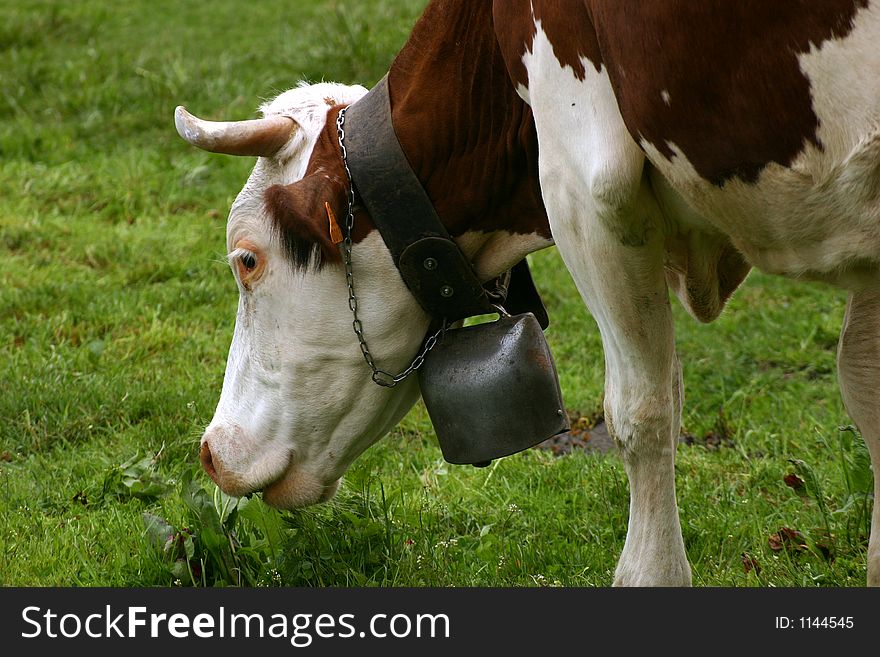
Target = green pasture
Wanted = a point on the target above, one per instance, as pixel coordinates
(116, 311)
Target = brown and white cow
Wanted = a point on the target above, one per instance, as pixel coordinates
(666, 144)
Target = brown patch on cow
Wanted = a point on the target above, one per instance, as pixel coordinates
(568, 26)
(570, 33)
(299, 211)
(721, 81)
(230, 482)
(515, 31)
(299, 221)
(331, 102)
(477, 158)
(288, 207)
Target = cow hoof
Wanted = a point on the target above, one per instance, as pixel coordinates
(675, 576)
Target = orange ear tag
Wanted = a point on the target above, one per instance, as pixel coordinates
(335, 233)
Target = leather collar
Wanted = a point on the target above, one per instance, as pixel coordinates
(433, 267)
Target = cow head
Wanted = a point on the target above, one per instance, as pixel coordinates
(298, 404)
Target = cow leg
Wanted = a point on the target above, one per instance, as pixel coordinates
(613, 246)
(610, 232)
(624, 287)
(858, 364)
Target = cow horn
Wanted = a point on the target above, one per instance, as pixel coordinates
(254, 137)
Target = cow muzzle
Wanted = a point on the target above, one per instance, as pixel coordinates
(233, 475)
(240, 466)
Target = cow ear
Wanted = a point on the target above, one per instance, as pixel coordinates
(307, 216)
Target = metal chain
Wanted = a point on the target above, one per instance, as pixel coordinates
(379, 376)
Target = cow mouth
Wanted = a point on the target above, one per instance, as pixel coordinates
(297, 488)
(291, 489)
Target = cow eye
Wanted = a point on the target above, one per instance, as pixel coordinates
(249, 260)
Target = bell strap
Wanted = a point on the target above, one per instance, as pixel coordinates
(430, 262)
(433, 267)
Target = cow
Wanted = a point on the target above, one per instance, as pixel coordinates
(662, 145)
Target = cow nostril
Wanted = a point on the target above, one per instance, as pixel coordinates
(207, 461)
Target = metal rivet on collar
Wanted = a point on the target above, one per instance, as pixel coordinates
(430, 264)
(446, 291)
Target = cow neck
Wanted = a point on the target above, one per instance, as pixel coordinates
(433, 267)
(468, 137)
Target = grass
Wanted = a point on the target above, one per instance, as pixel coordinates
(116, 311)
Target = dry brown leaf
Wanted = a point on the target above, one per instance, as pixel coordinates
(793, 481)
(750, 563)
